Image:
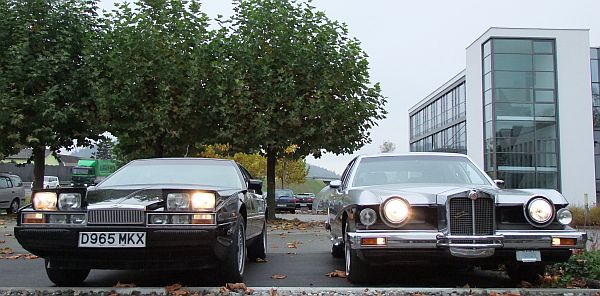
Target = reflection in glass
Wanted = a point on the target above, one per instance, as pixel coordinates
(513, 95)
(512, 46)
(513, 109)
(546, 110)
(508, 129)
(594, 70)
(544, 96)
(543, 63)
(509, 79)
(544, 79)
(512, 62)
(542, 47)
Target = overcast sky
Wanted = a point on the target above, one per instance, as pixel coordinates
(416, 46)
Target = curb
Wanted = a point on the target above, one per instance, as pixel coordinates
(323, 291)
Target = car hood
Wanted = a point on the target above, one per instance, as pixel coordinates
(139, 196)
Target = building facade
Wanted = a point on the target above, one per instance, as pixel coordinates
(528, 109)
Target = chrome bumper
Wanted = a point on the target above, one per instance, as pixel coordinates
(534, 239)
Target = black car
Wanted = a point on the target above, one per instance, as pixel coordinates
(285, 200)
(178, 213)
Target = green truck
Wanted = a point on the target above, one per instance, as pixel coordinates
(89, 172)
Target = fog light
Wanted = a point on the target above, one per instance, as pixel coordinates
(158, 219)
(368, 216)
(202, 219)
(564, 216)
(180, 219)
(77, 219)
(57, 219)
(33, 218)
(562, 241)
(373, 241)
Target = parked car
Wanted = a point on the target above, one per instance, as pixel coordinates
(161, 214)
(305, 200)
(51, 182)
(285, 200)
(12, 192)
(440, 208)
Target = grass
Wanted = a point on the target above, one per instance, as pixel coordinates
(581, 219)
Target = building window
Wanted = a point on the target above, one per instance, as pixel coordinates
(519, 111)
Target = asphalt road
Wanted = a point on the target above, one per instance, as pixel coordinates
(304, 266)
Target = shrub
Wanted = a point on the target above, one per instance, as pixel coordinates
(581, 266)
(579, 219)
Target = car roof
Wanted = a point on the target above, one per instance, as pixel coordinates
(182, 159)
(414, 154)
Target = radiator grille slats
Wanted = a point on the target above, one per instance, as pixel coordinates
(471, 217)
(116, 216)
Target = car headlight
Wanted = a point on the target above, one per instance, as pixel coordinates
(564, 216)
(540, 210)
(368, 216)
(69, 201)
(178, 201)
(203, 201)
(396, 210)
(45, 201)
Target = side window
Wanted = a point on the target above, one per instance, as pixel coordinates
(17, 182)
(346, 174)
(3, 183)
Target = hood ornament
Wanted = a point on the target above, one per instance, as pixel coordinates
(473, 195)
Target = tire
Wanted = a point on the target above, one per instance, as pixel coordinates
(337, 251)
(525, 272)
(232, 269)
(14, 206)
(357, 272)
(259, 248)
(293, 211)
(66, 277)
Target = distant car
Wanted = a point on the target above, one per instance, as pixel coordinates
(285, 200)
(305, 200)
(12, 192)
(51, 182)
(152, 214)
(441, 209)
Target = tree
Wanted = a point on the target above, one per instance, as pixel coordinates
(45, 90)
(298, 80)
(105, 149)
(387, 147)
(154, 60)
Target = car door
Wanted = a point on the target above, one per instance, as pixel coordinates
(336, 204)
(5, 192)
(255, 220)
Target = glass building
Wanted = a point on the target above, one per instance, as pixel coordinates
(519, 99)
(439, 124)
(521, 110)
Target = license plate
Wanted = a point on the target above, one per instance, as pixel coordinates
(281, 205)
(529, 256)
(112, 239)
(303, 205)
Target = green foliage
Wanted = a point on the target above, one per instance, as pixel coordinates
(104, 149)
(584, 265)
(45, 91)
(155, 58)
(309, 185)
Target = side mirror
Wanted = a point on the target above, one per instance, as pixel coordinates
(499, 183)
(335, 184)
(256, 185)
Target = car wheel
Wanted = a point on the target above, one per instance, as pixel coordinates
(66, 277)
(259, 248)
(14, 206)
(293, 211)
(232, 269)
(530, 273)
(337, 251)
(357, 271)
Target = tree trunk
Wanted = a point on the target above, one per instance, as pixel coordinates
(39, 165)
(271, 162)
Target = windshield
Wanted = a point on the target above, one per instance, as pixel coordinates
(82, 171)
(176, 171)
(418, 169)
(284, 193)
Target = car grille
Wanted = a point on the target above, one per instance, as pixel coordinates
(471, 217)
(116, 216)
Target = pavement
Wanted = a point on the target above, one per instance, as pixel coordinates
(300, 256)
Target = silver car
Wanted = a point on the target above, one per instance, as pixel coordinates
(12, 192)
(440, 208)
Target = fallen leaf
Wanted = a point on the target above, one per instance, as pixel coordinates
(337, 273)
(493, 293)
(278, 276)
(291, 253)
(512, 294)
(261, 260)
(7, 234)
(238, 287)
(31, 257)
(525, 284)
(123, 285)
(15, 257)
(6, 251)
(172, 288)
(2, 241)
(273, 292)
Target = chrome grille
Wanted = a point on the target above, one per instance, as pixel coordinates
(116, 216)
(471, 217)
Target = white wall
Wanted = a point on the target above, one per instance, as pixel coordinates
(574, 106)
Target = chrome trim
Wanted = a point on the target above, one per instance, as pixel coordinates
(446, 241)
(179, 214)
(116, 216)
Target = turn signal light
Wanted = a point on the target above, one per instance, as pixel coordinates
(373, 241)
(202, 219)
(33, 218)
(561, 241)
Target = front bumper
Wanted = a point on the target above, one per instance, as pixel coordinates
(172, 248)
(417, 245)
